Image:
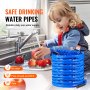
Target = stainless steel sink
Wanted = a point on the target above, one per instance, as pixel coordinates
(8, 50)
(10, 59)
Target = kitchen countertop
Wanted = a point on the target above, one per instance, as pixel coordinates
(43, 80)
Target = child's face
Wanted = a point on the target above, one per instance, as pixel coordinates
(61, 23)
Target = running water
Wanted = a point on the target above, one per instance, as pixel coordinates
(37, 37)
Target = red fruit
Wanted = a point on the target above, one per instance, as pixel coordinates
(47, 61)
(41, 63)
(19, 60)
(33, 53)
(32, 63)
(20, 84)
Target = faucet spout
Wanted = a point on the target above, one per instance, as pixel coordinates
(25, 41)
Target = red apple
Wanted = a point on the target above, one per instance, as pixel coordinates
(41, 63)
(19, 60)
(20, 84)
(32, 63)
(47, 61)
(33, 53)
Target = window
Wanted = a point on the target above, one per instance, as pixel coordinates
(6, 30)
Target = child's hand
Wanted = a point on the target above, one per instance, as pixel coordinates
(42, 51)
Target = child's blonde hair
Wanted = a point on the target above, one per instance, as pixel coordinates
(62, 8)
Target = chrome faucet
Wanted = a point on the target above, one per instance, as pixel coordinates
(19, 45)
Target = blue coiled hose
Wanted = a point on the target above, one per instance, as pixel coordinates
(68, 68)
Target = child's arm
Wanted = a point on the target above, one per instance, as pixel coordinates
(51, 42)
(71, 41)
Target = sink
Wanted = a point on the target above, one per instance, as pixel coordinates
(10, 59)
(8, 50)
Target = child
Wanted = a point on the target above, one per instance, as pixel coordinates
(71, 31)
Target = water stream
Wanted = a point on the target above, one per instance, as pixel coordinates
(37, 37)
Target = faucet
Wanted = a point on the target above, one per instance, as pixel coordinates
(19, 45)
